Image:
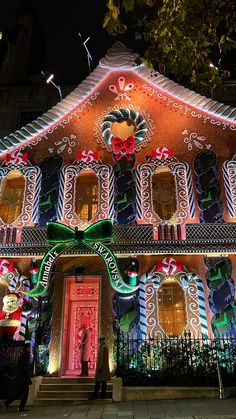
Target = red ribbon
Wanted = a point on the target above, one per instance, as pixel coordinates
(125, 146)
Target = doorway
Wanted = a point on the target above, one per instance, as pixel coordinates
(81, 305)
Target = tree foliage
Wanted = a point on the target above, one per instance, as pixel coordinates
(183, 39)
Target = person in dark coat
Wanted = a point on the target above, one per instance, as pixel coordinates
(102, 374)
(22, 381)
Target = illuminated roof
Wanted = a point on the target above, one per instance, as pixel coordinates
(118, 57)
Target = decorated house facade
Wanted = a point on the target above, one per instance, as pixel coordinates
(117, 209)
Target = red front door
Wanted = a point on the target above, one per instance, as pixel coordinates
(81, 302)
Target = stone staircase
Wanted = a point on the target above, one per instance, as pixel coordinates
(56, 391)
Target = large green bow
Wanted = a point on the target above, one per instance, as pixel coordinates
(65, 238)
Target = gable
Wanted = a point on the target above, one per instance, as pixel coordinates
(175, 116)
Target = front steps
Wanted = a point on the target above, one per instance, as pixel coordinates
(57, 391)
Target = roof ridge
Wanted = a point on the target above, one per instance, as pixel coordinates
(118, 56)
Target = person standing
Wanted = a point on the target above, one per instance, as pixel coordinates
(85, 349)
(102, 374)
(22, 381)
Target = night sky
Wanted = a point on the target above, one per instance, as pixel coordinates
(60, 22)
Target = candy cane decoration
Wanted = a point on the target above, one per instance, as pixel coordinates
(229, 172)
(162, 153)
(6, 267)
(87, 156)
(201, 300)
(190, 191)
(6, 271)
(23, 321)
(142, 299)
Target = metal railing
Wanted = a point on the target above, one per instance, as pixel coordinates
(10, 351)
(176, 361)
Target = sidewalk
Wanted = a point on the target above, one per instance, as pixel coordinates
(188, 409)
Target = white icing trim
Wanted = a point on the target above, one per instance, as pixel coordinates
(118, 57)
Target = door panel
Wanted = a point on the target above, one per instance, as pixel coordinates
(81, 302)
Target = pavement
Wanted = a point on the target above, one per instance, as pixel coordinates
(157, 409)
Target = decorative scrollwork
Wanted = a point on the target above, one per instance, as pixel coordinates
(150, 285)
(32, 176)
(144, 175)
(105, 202)
(152, 310)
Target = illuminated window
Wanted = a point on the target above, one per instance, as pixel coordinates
(164, 194)
(171, 305)
(86, 201)
(1, 36)
(123, 128)
(11, 196)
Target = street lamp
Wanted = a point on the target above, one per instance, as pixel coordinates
(49, 81)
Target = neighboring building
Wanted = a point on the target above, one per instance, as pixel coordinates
(20, 104)
(157, 159)
(24, 94)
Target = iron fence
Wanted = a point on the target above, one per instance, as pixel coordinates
(10, 351)
(176, 361)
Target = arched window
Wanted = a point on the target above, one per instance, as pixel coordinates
(11, 196)
(164, 194)
(171, 304)
(86, 198)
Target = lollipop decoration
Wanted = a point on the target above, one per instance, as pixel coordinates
(17, 157)
(87, 156)
(169, 266)
(162, 153)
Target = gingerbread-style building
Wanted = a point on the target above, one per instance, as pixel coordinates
(158, 162)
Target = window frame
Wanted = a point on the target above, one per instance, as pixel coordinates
(195, 299)
(32, 176)
(184, 193)
(67, 193)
